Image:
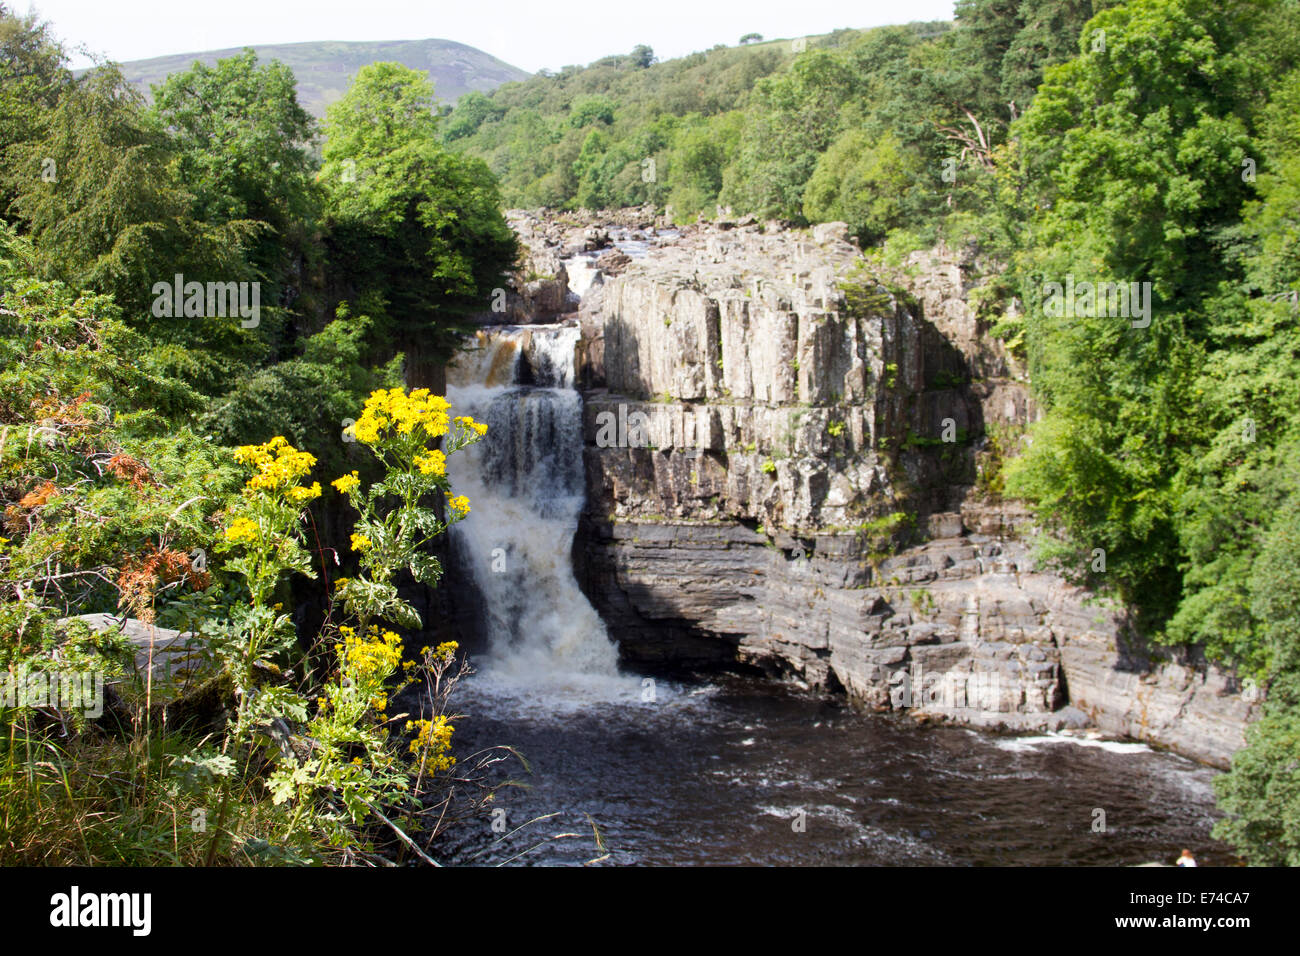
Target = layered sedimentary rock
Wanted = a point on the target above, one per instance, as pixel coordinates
(789, 465)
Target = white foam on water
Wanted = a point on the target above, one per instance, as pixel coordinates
(550, 696)
(493, 356)
(490, 358)
(1026, 744)
(582, 273)
(550, 351)
(902, 845)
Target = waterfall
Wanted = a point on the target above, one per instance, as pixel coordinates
(525, 485)
(517, 354)
(550, 356)
(582, 273)
(491, 360)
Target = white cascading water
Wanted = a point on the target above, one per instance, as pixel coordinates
(525, 485)
(582, 274)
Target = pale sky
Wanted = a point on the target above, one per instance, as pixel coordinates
(530, 35)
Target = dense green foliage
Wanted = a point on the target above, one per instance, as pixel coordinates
(1170, 442)
(413, 225)
(587, 136)
(1139, 151)
(302, 293)
(802, 130)
(218, 181)
(34, 79)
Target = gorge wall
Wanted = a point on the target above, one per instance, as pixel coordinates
(790, 466)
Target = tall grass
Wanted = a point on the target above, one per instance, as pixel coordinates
(98, 800)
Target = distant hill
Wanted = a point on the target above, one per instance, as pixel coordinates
(324, 69)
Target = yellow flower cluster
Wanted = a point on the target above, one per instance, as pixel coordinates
(466, 422)
(393, 408)
(459, 503)
(302, 495)
(372, 652)
(278, 463)
(434, 736)
(361, 543)
(432, 463)
(347, 484)
(446, 651)
(242, 529)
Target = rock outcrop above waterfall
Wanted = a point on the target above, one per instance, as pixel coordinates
(539, 291)
(792, 462)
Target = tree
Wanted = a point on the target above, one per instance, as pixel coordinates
(112, 217)
(472, 110)
(862, 182)
(414, 225)
(1133, 159)
(1049, 34)
(1260, 795)
(120, 471)
(33, 78)
(1232, 491)
(591, 109)
(643, 57)
(792, 117)
(114, 220)
(697, 158)
(242, 143)
(306, 396)
(388, 106)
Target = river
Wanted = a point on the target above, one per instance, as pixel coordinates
(719, 772)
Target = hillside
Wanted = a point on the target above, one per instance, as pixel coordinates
(628, 129)
(324, 68)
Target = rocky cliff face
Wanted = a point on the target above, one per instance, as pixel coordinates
(791, 466)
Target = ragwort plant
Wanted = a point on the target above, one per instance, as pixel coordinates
(345, 766)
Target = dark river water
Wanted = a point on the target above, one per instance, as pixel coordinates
(741, 771)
